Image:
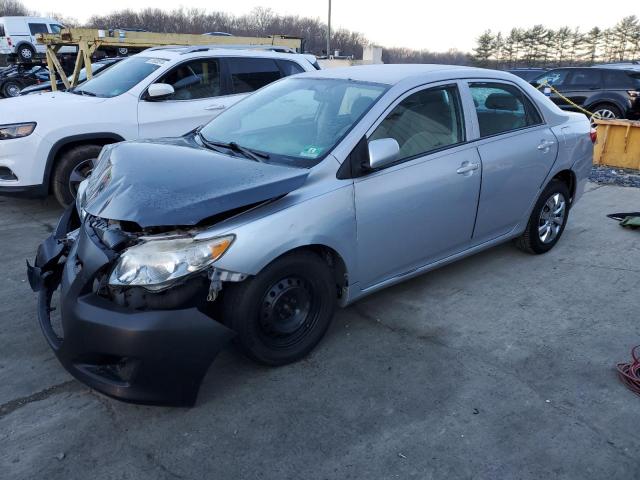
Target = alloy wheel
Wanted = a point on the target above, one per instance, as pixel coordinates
(12, 90)
(552, 218)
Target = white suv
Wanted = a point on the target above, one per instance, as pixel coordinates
(49, 141)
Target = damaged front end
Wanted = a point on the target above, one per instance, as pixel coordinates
(125, 332)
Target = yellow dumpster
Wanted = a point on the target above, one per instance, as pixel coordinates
(618, 144)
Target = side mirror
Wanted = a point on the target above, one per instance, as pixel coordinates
(159, 91)
(383, 152)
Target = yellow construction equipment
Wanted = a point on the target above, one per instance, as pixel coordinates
(88, 40)
(618, 144)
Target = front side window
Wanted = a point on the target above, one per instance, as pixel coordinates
(584, 78)
(250, 74)
(194, 80)
(552, 77)
(121, 77)
(296, 121)
(425, 121)
(502, 108)
(36, 28)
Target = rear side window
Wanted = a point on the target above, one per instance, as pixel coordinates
(423, 122)
(502, 108)
(616, 79)
(290, 68)
(584, 78)
(55, 28)
(2, 34)
(194, 80)
(249, 74)
(36, 28)
(635, 78)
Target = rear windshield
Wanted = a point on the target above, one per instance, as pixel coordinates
(120, 78)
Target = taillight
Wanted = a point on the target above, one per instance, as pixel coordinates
(594, 135)
(634, 93)
(9, 42)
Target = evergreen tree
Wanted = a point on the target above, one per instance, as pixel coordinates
(484, 49)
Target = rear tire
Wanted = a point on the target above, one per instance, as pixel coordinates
(282, 313)
(26, 53)
(606, 111)
(547, 220)
(72, 167)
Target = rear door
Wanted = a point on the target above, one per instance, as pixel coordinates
(4, 44)
(517, 150)
(580, 85)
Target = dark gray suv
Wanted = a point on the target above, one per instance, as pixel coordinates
(607, 92)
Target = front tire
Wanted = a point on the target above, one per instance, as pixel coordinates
(548, 219)
(73, 166)
(11, 89)
(282, 313)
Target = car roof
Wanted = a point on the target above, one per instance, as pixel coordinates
(175, 52)
(393, 74)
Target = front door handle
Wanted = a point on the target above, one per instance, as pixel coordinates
(545, 145)
(467, 168)
(215, 107)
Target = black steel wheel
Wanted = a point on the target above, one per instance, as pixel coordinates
(282, 313)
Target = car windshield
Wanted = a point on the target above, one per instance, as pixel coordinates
(120, 78)
(296, 121)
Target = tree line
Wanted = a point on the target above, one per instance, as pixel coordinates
(544, 47)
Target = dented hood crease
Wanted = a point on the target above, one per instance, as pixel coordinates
(176, 182)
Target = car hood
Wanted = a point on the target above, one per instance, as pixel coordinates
(176, 182)
(30, 108)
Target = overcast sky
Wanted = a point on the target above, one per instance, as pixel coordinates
(416, 24)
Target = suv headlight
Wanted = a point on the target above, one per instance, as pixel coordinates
(16, 130)
(155, 263)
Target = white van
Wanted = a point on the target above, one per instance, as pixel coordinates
(18, 35)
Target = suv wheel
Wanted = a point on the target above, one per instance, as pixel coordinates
(282, 313)
(72, 168)
(547, 220)
(606, 111)
(11, 89)
(26, 53)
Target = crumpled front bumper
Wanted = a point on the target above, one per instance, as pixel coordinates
(142, 356)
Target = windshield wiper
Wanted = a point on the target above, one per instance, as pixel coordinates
(234, 147)
(81, 92)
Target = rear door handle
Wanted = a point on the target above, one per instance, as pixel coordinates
(467, 167)
(545, 145)
(215, 107)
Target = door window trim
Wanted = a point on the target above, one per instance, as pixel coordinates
(430, 86)
(223, 92)
(469, 81)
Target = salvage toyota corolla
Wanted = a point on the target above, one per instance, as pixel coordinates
(311, 193)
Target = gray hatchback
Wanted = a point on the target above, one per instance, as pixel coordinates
(312, 192)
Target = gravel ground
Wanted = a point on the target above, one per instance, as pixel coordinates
(623, 177)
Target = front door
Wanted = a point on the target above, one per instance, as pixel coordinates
(423, 207)
(517, 151)
(197, 99)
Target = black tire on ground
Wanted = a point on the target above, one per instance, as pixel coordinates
(11, 88)
(26, 53)
(282, 313)
(530, 241)
(607, 106)
(64, 168)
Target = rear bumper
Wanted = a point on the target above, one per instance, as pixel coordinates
(156, 357)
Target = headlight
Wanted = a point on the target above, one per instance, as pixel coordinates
(157, 262)
(16, 130)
